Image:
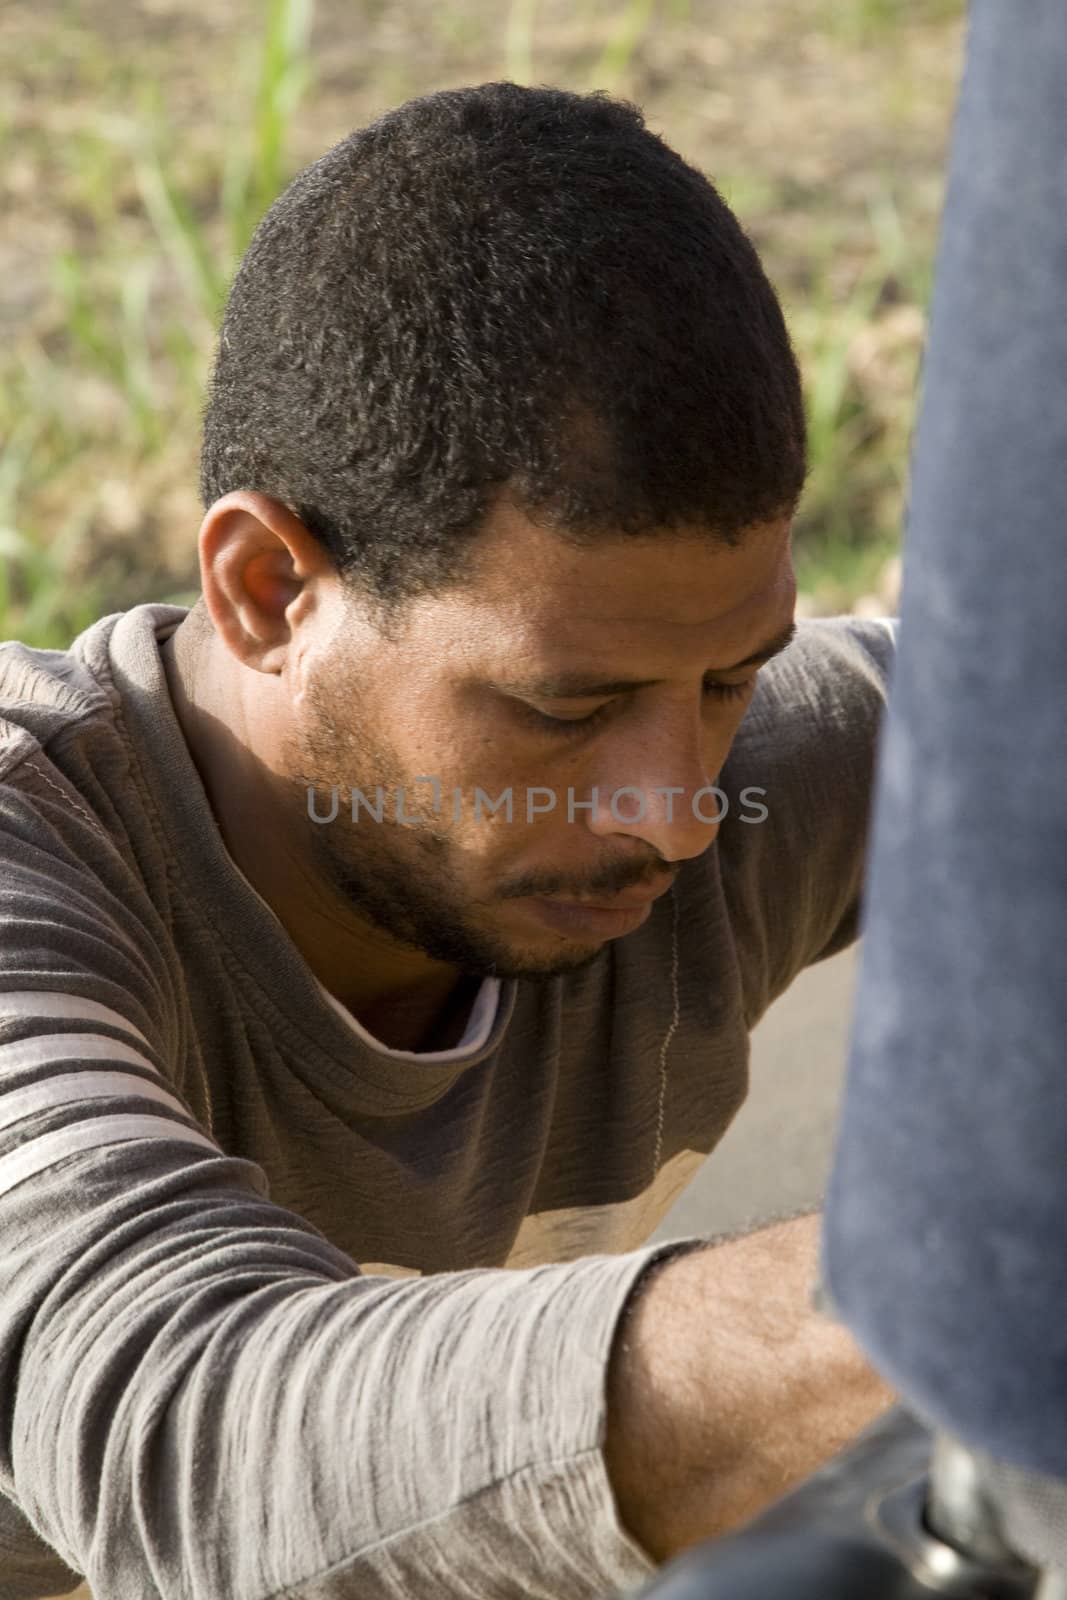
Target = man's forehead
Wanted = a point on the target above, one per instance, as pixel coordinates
(593, 669)
(557, 641)
(567, 599)
(533, 607)
(682, 578)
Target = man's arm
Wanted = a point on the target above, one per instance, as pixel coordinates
(199, 1394)
(725, 1388)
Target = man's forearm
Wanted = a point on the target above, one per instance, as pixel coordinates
(725, 1388)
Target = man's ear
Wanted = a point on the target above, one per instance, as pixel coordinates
(259, 569)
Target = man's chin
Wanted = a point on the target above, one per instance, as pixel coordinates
(491, 950)
(546, 967)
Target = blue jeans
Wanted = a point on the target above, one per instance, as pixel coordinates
(945, 1233)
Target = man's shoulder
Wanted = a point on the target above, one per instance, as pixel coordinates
(799, 779)
(45, 691)
(820, 697)
(832, 661)
(66, 799)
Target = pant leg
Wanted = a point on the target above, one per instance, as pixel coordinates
(945, 1243)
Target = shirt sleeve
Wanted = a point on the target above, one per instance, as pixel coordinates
(199, 1394)
(806, 754)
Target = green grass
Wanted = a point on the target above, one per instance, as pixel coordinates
(155, 366)
(118, 391)
(633, 23)
(857, 484)
(254, 167)
(857, 23)
(32, 587)
(841, 570)
(634, 20)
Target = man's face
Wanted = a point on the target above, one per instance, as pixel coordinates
(467, 690)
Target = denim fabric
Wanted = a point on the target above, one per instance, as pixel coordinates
(945, 1239)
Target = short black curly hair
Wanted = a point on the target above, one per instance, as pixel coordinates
(500, 288)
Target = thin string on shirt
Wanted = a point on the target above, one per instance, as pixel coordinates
(668, 1036)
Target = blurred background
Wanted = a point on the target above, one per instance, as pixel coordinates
(141, 141)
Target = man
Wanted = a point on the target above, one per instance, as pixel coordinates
(402, 910)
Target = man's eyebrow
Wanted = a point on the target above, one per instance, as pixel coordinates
(575, 686)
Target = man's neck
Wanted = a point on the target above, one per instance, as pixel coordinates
(422, 1024)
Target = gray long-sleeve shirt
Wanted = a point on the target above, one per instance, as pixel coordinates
(255, 1339)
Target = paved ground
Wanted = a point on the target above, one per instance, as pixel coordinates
(776, 1156)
